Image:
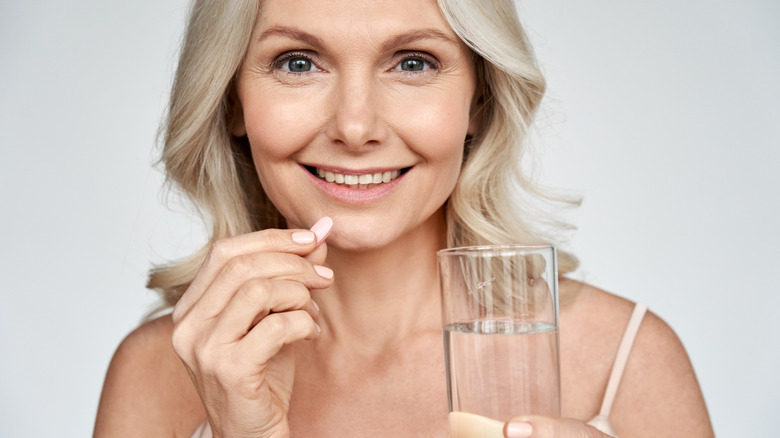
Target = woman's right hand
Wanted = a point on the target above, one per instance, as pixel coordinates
(234, 326)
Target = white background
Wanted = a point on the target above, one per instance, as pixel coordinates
(664, 115)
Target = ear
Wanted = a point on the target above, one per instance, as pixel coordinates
(235, 116)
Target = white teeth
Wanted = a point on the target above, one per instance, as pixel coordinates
(358, 181)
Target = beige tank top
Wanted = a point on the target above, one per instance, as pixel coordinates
(600, 421)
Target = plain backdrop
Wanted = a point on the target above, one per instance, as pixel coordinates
(663, 115)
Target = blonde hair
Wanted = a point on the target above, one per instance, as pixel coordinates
(492, 203)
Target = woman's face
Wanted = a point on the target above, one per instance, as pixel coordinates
(357, 110)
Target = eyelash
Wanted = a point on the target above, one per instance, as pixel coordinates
(280, 61)
(419, 56)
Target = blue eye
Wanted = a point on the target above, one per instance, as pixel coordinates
(412, 64)
(417, 62)
(295, 62)
(299, 65)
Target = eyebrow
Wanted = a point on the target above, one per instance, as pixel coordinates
(417, 35)
(396, 41)
(292, 33)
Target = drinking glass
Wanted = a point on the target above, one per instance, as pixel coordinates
(500, 328)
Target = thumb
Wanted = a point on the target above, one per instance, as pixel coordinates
(319, 255)
(538, 426)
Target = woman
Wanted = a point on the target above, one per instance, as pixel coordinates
(335, 146)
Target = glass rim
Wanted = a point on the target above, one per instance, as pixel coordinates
(495, 250)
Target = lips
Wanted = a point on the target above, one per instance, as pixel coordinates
(357, 181)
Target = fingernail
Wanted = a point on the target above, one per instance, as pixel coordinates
(303, 237)
(519, 430)
(314, 303)
(322, 229)
(323, 271)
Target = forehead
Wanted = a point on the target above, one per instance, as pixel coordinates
(353, 17)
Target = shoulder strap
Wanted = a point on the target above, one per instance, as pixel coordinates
(203, 431)
(601, 421)
(622, 357)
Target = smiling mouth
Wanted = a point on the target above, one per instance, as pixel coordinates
(364, 181)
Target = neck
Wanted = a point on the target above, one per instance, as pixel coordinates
(385, 294)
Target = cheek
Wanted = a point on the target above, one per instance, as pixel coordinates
(436, 131)
(278, 126)
(277, 129)
(436, 128)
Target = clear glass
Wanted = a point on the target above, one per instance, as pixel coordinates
(500, 329)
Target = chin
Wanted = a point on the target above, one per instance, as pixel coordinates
(361, 233)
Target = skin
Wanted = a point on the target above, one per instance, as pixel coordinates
(283, 335)
(355, 112)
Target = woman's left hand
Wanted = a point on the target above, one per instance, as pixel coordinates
(538, 426)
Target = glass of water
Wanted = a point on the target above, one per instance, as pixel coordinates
(500, 327)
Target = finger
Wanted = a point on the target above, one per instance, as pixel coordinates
(246, 268)
(257, 299)
(300, 242)
(274, 332)
(537, 426)
(319, 255)
(468, 425)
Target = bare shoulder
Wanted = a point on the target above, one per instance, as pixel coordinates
(659, 381)
(147, 390)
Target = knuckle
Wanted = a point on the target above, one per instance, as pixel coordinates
(238, 266)
(220, 250)
(276, 326)
(181, 340)
(305, 268)
(208, 359)
(286, 266)
(290, 263)
(277, 236)
(224, 369)
(256, 291)
(177, 312)
(299, 293)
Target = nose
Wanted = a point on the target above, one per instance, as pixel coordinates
(356, 118)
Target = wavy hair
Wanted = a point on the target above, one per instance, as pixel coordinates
(493, 202)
